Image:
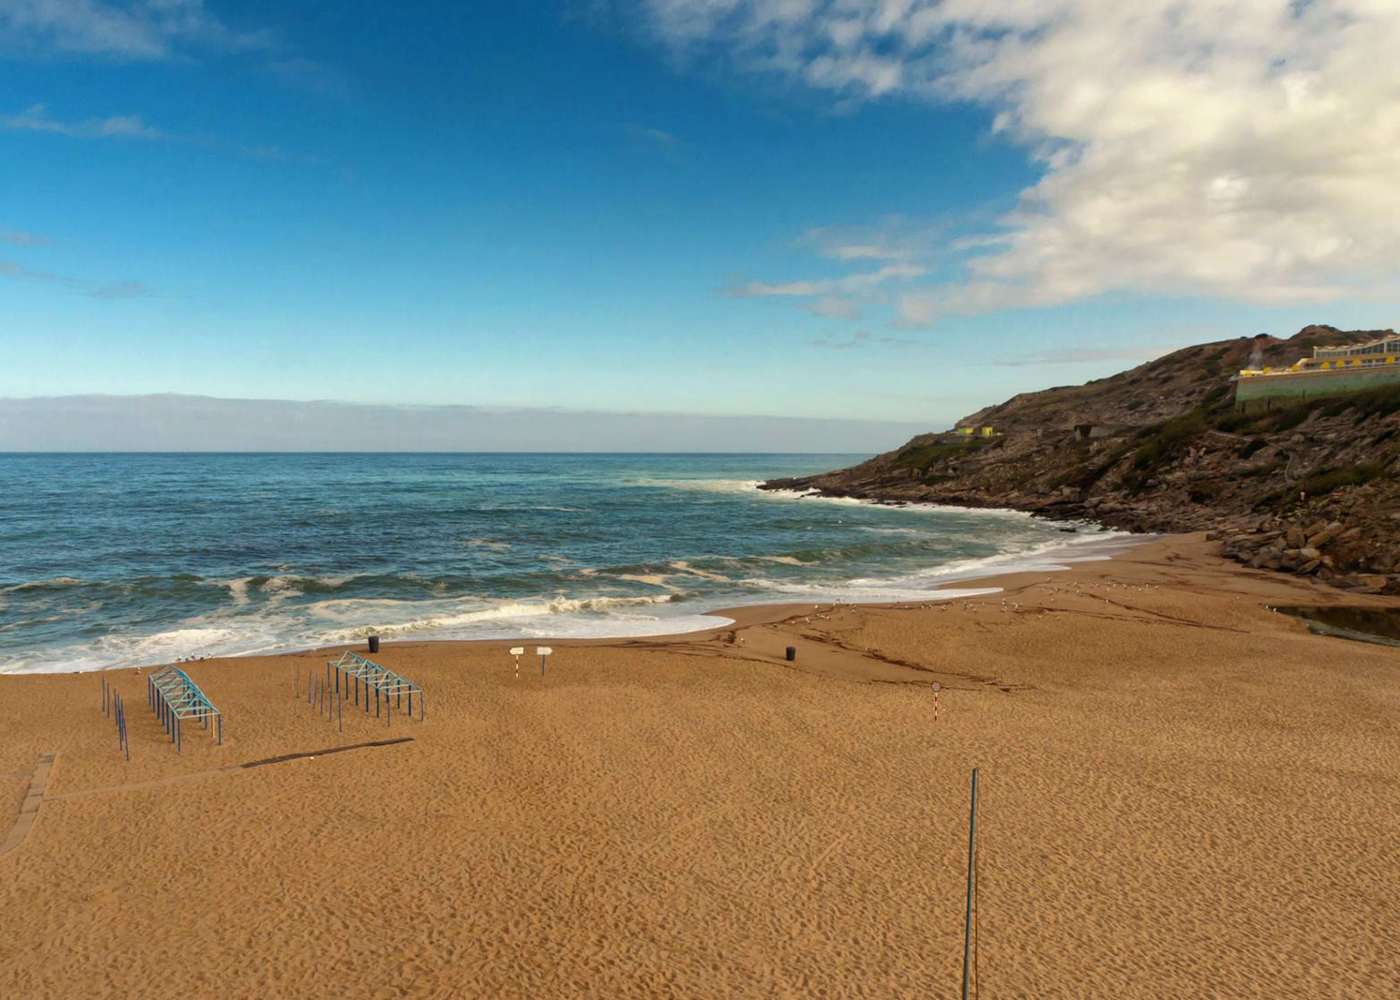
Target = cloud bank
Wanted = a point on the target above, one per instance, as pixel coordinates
(202, 423)
(137, 29)
(1246, 150)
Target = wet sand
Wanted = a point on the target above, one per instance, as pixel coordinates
(1183, 794)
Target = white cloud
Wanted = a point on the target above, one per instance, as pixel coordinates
(850, 284)
(37, 119)
(1246, 150)
(137, 29)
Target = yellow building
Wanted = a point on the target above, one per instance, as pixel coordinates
(1373, 354)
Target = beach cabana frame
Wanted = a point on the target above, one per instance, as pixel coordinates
(174, 697)
(356, 673)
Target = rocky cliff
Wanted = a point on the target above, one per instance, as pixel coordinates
(1311, 488)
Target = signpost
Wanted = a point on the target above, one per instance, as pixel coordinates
(517, 652)
(542, 652)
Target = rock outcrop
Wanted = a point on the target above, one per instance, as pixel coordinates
(1311, 488)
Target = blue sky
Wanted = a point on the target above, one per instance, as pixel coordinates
(827, 209)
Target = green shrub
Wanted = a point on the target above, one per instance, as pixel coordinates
(922, 456)
(1164, 440)
(1324, 481)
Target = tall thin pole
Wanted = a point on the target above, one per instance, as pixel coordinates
(971, 886)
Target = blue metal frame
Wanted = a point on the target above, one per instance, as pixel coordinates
(379, 679)
(173, 696)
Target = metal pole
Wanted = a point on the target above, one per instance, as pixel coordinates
(971, 886)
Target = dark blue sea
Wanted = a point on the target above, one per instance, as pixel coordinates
(118, 560)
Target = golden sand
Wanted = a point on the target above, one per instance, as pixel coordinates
(1184, 794)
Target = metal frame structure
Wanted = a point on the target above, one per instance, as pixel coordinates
(113, 707)
(173, 696)
(370, 676)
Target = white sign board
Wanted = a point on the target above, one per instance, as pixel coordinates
(543, 651)
(517, 651)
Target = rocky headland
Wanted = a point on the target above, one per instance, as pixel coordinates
(1310, 488)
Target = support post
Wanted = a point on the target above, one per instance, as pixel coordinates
(971, 887)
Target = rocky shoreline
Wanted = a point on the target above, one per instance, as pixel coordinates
(1311, 488)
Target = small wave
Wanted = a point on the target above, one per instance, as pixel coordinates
(56, 583)
(381, 613)
(650, 579)
(972, 513)
(701, 485)
(1051, 555)
(681, 566)
(494, 545)
(238, 589)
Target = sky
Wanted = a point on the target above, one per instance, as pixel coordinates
(893, 210)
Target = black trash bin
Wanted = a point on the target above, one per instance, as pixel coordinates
(374, 644)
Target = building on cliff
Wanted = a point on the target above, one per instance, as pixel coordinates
(1331, 371)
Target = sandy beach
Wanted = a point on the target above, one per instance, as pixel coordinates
(1184, 793)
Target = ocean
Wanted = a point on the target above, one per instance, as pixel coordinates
(134, 559)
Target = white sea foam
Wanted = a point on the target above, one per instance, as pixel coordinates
(751, 487)
(237, 588)
(272, 630)
(681, 566)
(58, 581)
(493, 544)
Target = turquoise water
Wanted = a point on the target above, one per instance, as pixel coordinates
(117, 560)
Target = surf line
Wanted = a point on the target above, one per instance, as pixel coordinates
(29, 808)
